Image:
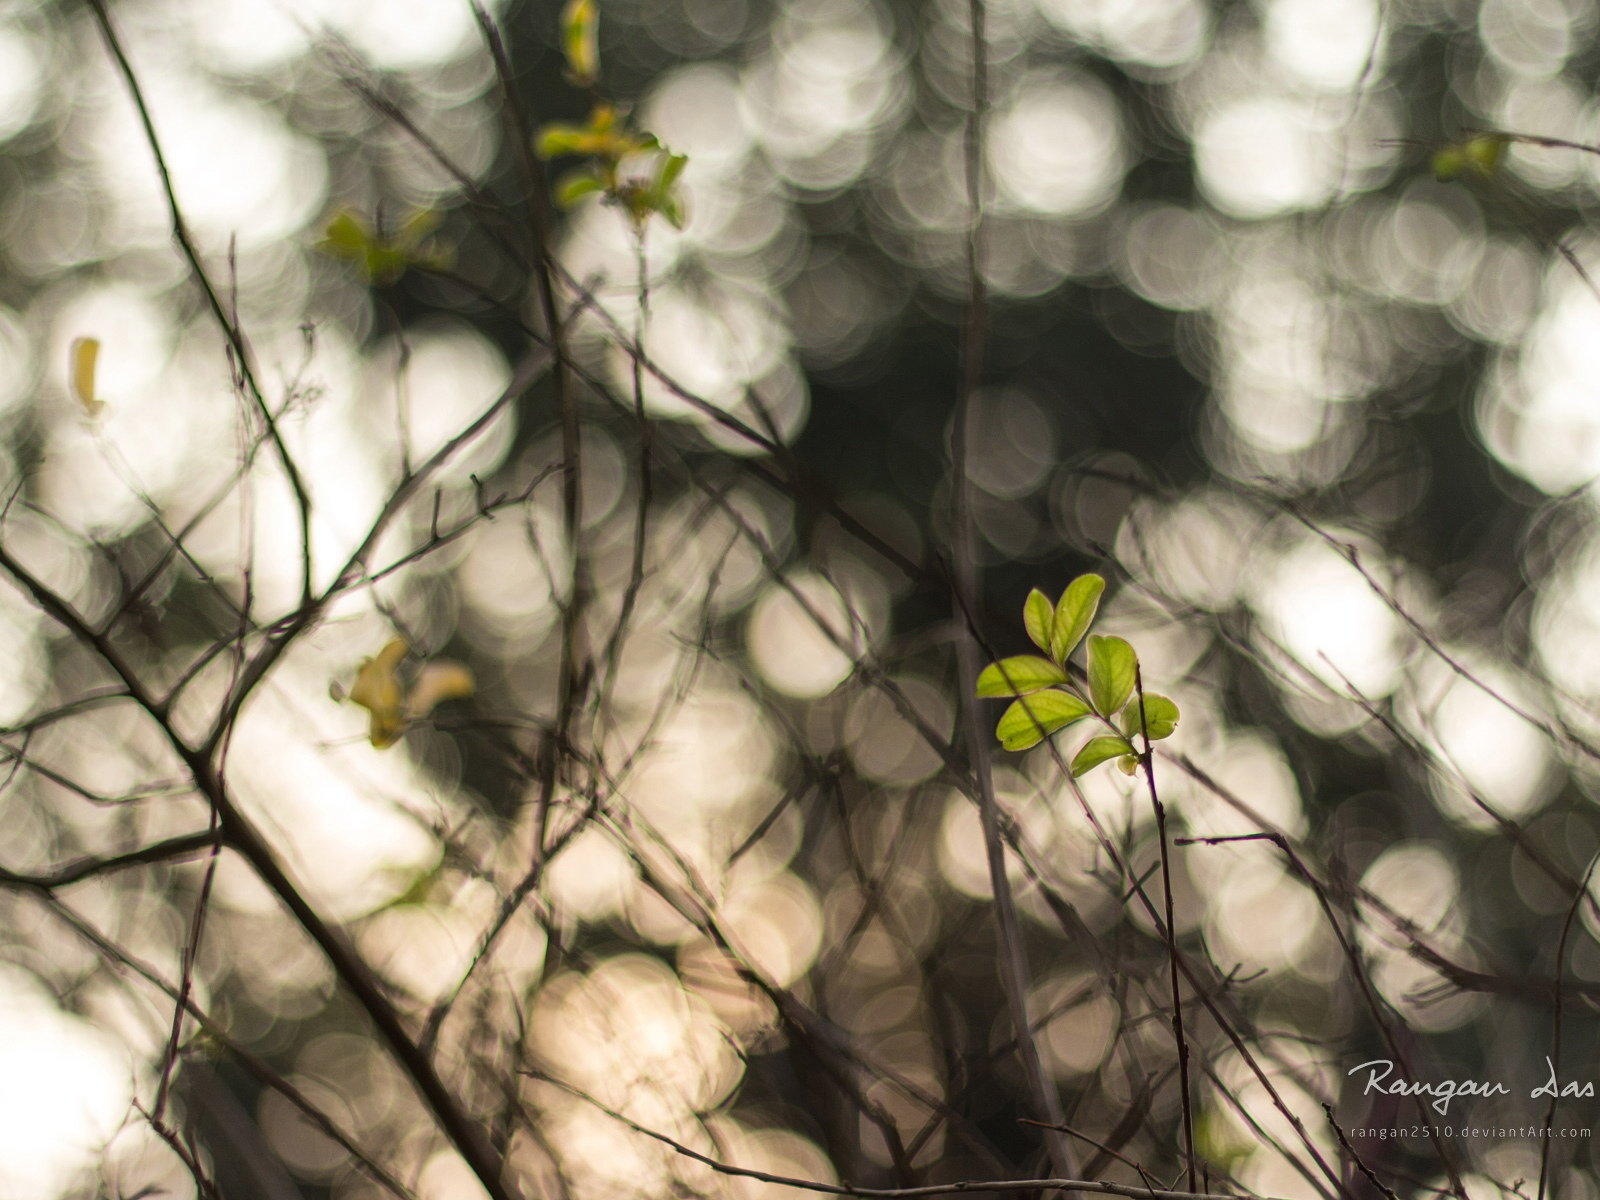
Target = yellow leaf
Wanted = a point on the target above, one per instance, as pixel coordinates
(378, 690)
(436, 683)
(580, 37)
(393, 705)
(84, 356)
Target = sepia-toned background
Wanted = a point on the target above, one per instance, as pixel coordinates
(698, 855)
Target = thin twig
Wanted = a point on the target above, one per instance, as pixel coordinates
(1560, 1012)
(1015, 978)
(1091, 1186)
(230, 330)
(1147, 760)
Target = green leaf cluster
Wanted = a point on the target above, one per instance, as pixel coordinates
(1479, 156)
(606, 140)
(383, 257)
(1048, 699)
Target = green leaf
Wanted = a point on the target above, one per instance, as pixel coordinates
(1098, 750)
(1074, 614)
(1486, 151)
(667, 174)
(1160, 717)
(1039, 618)
(384, 264)
(1127, 764)
(580, 41)
(382, 259)
(1113, 668)
(575, 187)
(1480, 155)
(555, 140)
(1019, 675)
(1029, 721)
(345, 235)
(1448, 163)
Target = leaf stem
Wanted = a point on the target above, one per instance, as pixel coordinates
(1147, 759)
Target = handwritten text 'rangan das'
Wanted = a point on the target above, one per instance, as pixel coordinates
(1380, 1070)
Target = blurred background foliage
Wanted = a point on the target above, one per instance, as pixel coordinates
(1328, 423)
